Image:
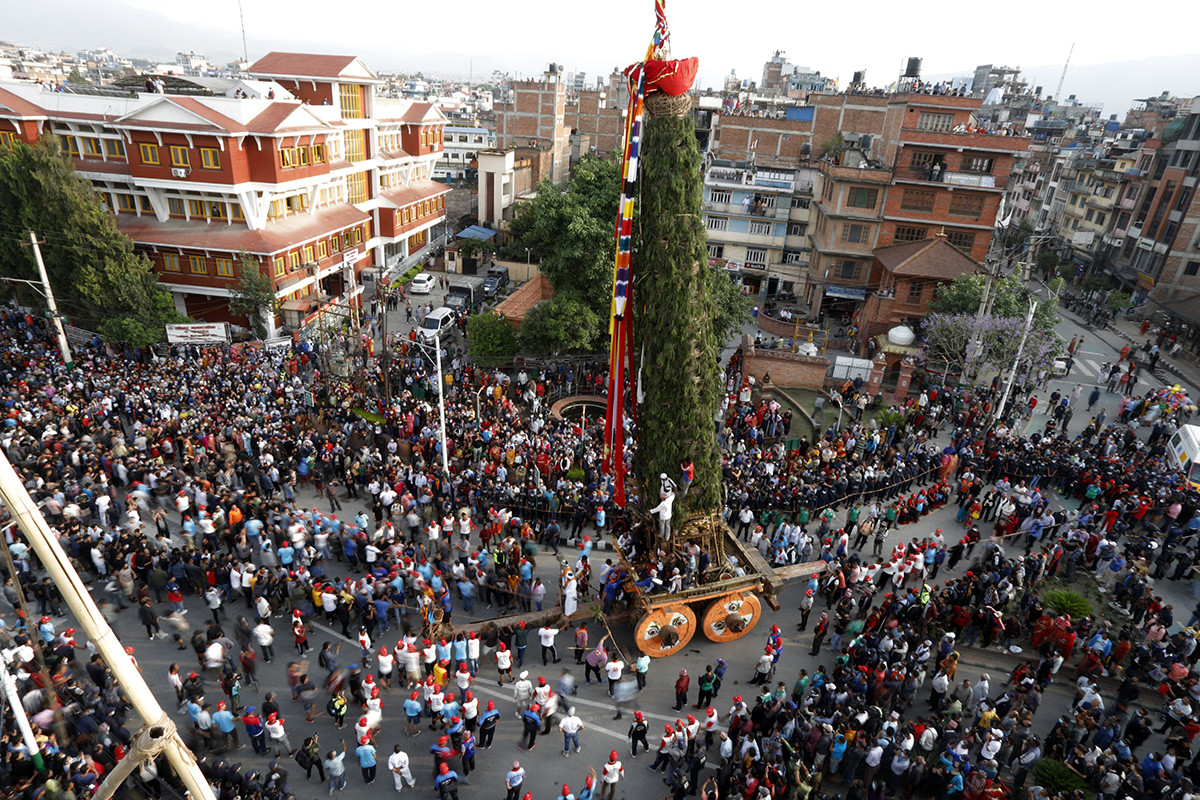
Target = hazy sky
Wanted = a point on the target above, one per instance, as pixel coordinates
(523, 36)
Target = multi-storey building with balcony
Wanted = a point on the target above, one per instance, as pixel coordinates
(949, 174)
(459, 159)
(299, 170)
(757, 220)
(847, 218)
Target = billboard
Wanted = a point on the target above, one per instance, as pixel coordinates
(199, 333)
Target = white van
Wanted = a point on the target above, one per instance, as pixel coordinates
(1184, 453)
(439, 322)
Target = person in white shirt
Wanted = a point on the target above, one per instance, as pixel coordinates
(546, 634)
(398, 763)
(613, 772)
(570, 725)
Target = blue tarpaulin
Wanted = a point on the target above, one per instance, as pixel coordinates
(476, 232)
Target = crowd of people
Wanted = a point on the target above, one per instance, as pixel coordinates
(173, 482)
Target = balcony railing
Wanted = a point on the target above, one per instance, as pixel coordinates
(749, 210)
(954, 178)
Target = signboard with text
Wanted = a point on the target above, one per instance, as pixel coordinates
(199, 333)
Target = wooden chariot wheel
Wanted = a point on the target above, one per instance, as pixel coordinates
(731, 616)
(665, 630)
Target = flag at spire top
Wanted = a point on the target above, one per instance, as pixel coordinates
(662, 33)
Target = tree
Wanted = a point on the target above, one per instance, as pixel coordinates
(473, 250)
(569, 231)
(253, 294)
(674, 317)
(562, 324)
(1016, 237)
(956, 341)
(1047, 260)
(76, 78)
(1118, 301)
(1096, 282)
(1010, 299)
(732, 307)
(491, 339)
(97, 276)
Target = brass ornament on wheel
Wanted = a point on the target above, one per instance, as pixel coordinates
(665, 630)
(731, 616)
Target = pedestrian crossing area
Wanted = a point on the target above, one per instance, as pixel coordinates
(1085, 368)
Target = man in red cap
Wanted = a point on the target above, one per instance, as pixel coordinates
(613, 772)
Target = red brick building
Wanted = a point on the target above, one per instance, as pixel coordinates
(299, 167)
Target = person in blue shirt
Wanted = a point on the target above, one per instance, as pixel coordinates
(468, 753)
(366, 758)
(412, 712)
(446, 783)
(223, 721)
(487, 725)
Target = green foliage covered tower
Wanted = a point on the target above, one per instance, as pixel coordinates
(674, 310)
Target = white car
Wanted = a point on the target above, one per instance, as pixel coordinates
(423, 283)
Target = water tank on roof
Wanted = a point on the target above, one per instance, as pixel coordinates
(913, 68)
(901, 335)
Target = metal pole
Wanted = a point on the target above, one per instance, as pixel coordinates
(1020, 349)
(58, 565)
(14, 701)
(437, 342)
(63, 347)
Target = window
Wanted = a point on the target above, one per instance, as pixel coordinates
(794, 258)
(9, 139)
(335, 244)
(303, 155)
(196, 208)
(979, 165)
(931, 121)
(718, 251)
(966, 205)
(114, 148)
(352, 95)
(797, 229)
(357, 184)
(909, 233)
(322, 249)
(198, 265)
(756, 257)
(963, 240)
(276, 209)
(1100, 217)
(91, 146)
(720, 196)
(175, 207)
(318, 154)
(71, 146)
(915, 290)
(216, 210)
(760, 228)
(424, 137)
(295, 202)
(921, 159)
(800, 202)
(294, 260)
(1192, 268)
(125, 202)
(917, 200)
(287, 157)
(170, 262)
(1090, 214)
(855, 234)
(149, 154)
(717, 223)
(356, 145)
(210, 158)
(235, 212)
(845, 270)
(308, 254)
(862, 197)
(280, 267)
(144, 205)
(179, 156)
(224, 267)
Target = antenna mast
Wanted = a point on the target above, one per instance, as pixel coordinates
(1063, 77)
(242, 17)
